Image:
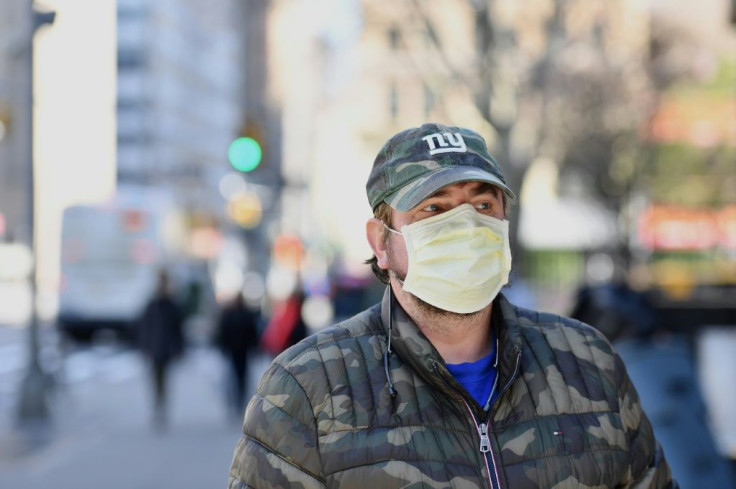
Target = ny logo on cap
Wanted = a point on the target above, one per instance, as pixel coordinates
(447, 142)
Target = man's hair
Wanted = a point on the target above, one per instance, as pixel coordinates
(384, 212)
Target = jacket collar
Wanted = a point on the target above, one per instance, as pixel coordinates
(406, 339)
(416, 350)
(510, 340)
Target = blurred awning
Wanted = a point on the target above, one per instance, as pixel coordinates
(549, 220)
(567, 223)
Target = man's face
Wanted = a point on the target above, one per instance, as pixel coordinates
(486, 198)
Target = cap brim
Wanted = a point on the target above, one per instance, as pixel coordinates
(413, 193)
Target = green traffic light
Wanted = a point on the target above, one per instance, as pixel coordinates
(244, 154)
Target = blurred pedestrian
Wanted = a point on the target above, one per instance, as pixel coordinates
(236, 336)
(617, 310)
(286, 325)
(446, 383)
(161, 339)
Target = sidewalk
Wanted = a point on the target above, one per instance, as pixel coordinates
(101, 435)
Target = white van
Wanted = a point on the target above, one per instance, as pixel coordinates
(110, 256)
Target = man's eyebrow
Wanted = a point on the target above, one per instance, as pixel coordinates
(440, 193)
(486, 188)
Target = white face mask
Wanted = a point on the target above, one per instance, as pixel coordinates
(458, 260)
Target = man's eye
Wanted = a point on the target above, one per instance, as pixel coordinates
(483, 206)
(431, 208)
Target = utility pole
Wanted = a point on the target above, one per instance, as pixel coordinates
(260, 118)
(33, 403)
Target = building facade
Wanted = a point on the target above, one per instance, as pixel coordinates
(127, 93)
(180, 95)
(15, 144)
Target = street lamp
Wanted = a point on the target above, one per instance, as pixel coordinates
(33, 405)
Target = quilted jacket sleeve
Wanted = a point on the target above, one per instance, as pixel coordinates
(649, 469)
(279, 443)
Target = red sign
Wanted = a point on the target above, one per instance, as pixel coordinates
(677, 228)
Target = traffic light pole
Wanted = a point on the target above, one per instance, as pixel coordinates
(33, 403)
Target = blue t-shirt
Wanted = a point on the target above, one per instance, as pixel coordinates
(477, 377)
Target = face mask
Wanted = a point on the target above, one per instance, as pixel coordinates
(458, 260)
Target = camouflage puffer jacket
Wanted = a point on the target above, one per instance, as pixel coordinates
(567, 415)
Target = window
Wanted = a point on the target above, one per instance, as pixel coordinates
(393, 101)
(429, 101)
(393, 38)
(130, 59)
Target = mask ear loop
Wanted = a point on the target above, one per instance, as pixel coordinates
(389, 352)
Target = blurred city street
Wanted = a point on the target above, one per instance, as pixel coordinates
(100, 431)
(190, 175)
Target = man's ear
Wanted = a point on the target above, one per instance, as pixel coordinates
(374, 233)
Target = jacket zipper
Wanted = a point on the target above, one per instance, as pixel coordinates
(485, 442)
(486, 449)
(485, 446)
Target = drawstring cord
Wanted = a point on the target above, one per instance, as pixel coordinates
(389, 352)
(495, 380)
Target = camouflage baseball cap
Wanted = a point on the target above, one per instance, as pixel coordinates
(419, 161)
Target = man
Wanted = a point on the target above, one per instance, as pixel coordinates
(161, 339)
(445, 383)
(236, 336)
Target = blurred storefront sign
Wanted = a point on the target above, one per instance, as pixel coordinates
(672, 228)
(687, 249)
